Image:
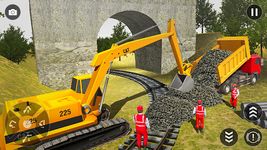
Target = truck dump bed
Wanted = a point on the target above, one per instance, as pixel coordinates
(240, 54)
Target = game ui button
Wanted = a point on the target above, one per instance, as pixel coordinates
(252, 112)
(12, 12)
(254, 12)
(229, 137)
(253, 137)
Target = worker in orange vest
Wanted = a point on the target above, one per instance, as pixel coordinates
(141, 126)
(200, 112)
(234, 95)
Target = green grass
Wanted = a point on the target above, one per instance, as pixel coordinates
(221, 117)
(17, 81)
(29, 64)
(124, 95)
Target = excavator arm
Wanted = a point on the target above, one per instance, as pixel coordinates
(102, 61)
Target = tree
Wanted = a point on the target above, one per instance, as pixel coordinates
(233, 17)
(205, 15)
(258, 28)
(216, 25)
(32, 47)
(104, 43)
(1, 14)
(119, 33)
(13, 45)
(233, 21)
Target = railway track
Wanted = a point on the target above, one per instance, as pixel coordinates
(160, 140)
(153, 87)
(157, 140)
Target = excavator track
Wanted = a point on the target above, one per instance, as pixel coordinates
(86, 138)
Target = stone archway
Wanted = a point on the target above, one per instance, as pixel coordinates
(149, 57)
(65, 33)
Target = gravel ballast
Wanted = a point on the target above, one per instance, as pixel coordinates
(175, 106)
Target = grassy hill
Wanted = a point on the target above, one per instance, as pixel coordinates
(29, 64)
(18, 80)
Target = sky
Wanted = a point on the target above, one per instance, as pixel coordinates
(216, 4)
(24, 21)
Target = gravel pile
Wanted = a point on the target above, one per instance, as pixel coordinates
(205, 72)
(208, 94)
(163, 112)
(175, 106)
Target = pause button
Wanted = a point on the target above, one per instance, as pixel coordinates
(254, 12)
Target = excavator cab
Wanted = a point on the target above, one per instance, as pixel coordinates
(79, 85)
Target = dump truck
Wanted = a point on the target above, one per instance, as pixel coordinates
(55, 119)
(240, 67)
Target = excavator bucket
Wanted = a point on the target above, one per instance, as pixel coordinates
(182, 83)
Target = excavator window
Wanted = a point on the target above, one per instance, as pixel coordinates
(85, 83)
(73, 84)
(79, 87)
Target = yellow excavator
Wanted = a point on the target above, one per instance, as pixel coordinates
(56, 119)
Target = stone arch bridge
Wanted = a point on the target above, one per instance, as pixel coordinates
(65, 33)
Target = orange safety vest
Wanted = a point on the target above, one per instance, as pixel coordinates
(200, 111)
(140, 120)
(234, 92)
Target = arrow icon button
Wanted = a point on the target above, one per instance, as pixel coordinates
(252, 112)
(229, 137)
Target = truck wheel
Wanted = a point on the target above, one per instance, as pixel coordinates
(104, 115)
(253, 79)
(225, 89)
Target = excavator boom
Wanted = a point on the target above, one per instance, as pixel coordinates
(101, 61)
